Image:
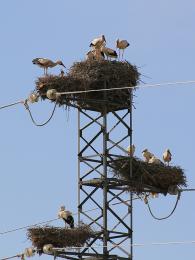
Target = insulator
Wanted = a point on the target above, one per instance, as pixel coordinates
(29, 252)
(34, 97)
(52, 94)
(48, 249)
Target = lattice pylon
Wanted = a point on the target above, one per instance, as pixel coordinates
(103, 202)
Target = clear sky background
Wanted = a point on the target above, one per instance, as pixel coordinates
(39, 165)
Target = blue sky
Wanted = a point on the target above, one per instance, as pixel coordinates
(39, 165)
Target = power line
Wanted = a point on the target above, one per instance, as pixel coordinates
(28, 226)
(32, 118)
(12, 104)
(111, 89)
(141, 86)
(10, 257)
(170, 214)
(138, 244)
(134, 245)
(51, 220)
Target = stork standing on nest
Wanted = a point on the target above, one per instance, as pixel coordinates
(109, 53)
(121, 45)
(147, 155)
(66, 216)
(95, 54)
(155, 160)
(46, 63)
(167, 156)
(98, 42)
(131, 150)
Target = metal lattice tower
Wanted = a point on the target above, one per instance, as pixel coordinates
(102, 138)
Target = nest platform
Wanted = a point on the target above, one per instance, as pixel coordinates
(59, 237)
(93, 75)
(159, 176)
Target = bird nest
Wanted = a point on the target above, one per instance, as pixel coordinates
(93, 75)
(59, 237)
(159, 176)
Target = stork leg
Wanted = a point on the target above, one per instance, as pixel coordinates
(123, 53)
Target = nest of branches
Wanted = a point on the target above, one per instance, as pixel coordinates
(93, 75)
(59, 237)
(159, 176)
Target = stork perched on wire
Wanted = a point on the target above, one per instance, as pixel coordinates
(109, 53)
(66, 216)
(121, 45)
(97, 43)
(46, 63)
(167, 156)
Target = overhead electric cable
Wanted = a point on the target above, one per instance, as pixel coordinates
(32, 118)
(111, 89)
(162, 218)
(135, 245)
(134, 87)
(51, 220)
(12, 104)
(93, 209)
(10, 257)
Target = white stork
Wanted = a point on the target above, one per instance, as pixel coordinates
(46, 63)
(121, 45)
(155, 160)
(97, 43)
(147, 155)
(131, 149)
(95, 54)
(66, 216)
(167, 156)
(109, 53)
(62, 73)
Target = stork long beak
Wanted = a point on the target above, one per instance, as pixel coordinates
(63, 65)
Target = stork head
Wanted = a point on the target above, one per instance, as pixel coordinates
(168, 151)
(62, 207)
(59, 62)
(103, 38)
(145, 150)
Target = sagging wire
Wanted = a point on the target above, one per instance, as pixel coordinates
(32, 99)
(166, 217)
(32, 118)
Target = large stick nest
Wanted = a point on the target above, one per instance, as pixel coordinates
(93, 75)
(59, 237)
(159, 176)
